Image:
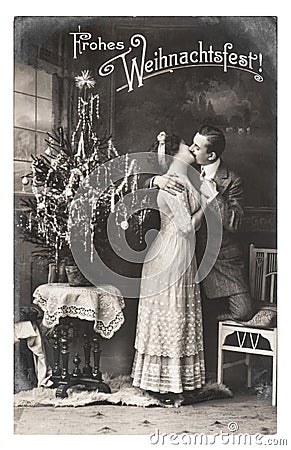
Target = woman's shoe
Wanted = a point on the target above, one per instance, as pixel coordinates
(167, 401)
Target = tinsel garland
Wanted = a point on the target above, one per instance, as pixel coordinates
(65, 167)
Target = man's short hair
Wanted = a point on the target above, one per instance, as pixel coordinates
(215, 137)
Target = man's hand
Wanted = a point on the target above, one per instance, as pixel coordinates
(168, 183)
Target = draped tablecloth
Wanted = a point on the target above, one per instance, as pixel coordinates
(102, 305)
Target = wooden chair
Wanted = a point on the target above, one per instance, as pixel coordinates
(250, 338)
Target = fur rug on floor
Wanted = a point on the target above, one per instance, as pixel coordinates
(122, 393)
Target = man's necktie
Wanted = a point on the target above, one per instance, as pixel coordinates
(208, 186)
(202, 174)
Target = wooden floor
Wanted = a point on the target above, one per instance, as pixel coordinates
(244, 413)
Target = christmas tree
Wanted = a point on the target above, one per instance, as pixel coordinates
(64, 170)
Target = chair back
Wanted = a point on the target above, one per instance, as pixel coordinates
(263, 275)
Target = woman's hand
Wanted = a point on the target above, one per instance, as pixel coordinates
(168, 183)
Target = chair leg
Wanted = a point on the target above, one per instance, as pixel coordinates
(274, 380)
(249, 370)
(219, 357)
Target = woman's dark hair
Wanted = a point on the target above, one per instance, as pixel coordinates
(172, 144)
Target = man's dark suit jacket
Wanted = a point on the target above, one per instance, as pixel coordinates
(228, 275)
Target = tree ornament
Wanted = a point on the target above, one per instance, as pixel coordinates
(85, 80)
(81, 151)
(25, 180)
(124, 224)
(112, 203)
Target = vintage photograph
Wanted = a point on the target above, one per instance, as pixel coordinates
(145, 227)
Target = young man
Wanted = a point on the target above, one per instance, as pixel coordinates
(223, 188)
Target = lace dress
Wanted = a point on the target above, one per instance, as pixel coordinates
(169, 353)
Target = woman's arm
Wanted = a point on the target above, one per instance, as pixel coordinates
(166, 182)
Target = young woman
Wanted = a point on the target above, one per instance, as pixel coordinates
(169, 358)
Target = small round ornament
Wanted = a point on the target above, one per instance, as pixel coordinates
(124, 225)
(24, 181)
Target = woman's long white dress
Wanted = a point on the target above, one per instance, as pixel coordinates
(169, 353)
